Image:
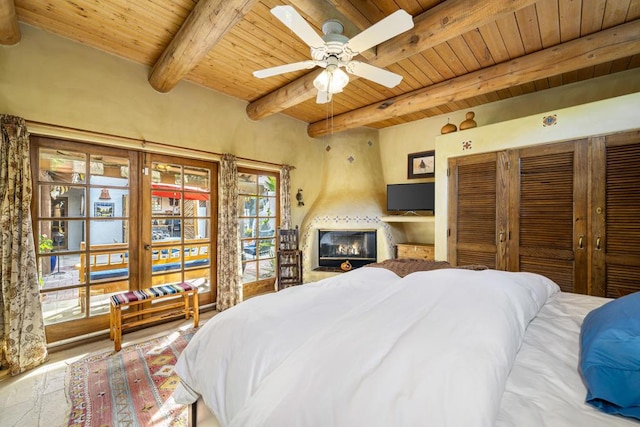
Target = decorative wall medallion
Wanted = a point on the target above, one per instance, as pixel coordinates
(466, 145)
(550, 120)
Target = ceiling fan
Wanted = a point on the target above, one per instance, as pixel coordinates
(334, 50)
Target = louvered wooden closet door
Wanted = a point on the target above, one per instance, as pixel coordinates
(477, 192)
(549, 214)
(616, 213)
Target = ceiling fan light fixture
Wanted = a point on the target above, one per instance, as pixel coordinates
(335, 50)
(331, 80)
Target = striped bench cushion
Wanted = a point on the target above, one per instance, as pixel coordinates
(156, 291)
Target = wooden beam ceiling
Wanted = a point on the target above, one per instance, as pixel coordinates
(9, 28)
(205, 26)
(608, 45)
(451, 39)
(433, 27)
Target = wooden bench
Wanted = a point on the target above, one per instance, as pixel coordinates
(120, 321)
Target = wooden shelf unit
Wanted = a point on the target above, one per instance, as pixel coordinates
(289, 268)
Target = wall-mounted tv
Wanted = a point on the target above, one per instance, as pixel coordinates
(411, 197)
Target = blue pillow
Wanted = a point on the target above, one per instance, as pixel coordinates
(610, 356)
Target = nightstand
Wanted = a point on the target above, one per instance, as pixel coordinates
(415, 250)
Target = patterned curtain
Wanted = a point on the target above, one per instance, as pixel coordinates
(22, 337)
(285, 197)
(229, 256)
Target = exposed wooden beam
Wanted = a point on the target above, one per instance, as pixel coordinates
(207, 23)
(9, 28)
(433, 27)
(615, 43)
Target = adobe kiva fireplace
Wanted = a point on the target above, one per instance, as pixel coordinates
(351, 198)
(335, 247)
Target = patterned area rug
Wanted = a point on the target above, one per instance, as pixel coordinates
(131, 388)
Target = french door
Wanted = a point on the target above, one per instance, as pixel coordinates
(258, 218)
(180, 207)
(85, 231)
(110, 220)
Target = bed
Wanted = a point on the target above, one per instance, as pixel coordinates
(445, 347)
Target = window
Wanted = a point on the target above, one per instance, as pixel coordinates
(257, 211)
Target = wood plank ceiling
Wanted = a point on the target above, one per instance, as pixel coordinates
(460, 53)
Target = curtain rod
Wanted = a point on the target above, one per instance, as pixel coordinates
(47, 129)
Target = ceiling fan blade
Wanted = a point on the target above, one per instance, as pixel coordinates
(323, 97)
(396, 23)
(296, 23)
(375, 74)
(286, 68)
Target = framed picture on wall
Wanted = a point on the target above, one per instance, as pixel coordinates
(422, 165)
(103, 209)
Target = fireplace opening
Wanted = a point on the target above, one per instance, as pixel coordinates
(359, 247)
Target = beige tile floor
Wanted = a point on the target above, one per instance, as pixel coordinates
(37, 398)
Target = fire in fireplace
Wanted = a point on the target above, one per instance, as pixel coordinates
(337, 246)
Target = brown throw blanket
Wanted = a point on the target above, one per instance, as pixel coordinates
(405, 266)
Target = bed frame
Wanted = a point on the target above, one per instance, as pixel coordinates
(200, 416)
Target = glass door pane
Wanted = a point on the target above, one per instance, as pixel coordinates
(61, 190)
(109, 196)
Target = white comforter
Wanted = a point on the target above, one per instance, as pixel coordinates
(366, 348)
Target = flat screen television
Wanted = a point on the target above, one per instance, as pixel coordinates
(411, 197)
